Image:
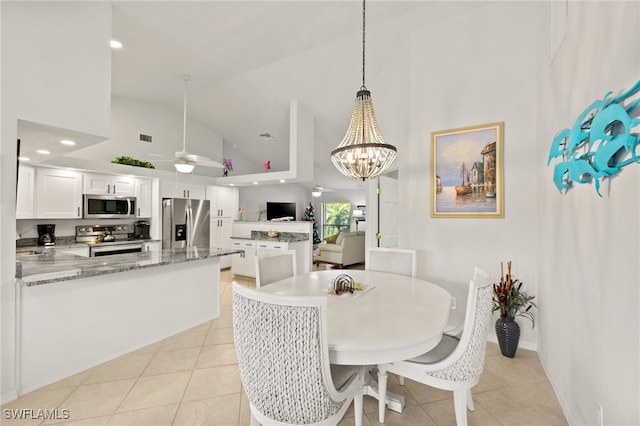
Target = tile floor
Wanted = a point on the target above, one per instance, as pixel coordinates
(192, 379)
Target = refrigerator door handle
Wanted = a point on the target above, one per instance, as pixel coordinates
(189, 226)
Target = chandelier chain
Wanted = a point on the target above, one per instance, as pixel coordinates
(363, 42)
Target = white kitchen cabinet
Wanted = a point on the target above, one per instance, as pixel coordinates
(182, 190)
(154, 246)
(108, 184)
(244, 263)
(262, 246)
(143, 195)
(224, 201)
(25, 203)
(58, 194)
(303, 258)
(78, 251)
(220, 236)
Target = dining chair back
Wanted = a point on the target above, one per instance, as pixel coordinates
(274, 266)
(283, 356)
(393, 260)
(456, 365)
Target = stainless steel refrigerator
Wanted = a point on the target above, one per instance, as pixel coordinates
(185, 223)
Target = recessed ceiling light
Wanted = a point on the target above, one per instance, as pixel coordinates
(24, 158)
(255, 183)
(115, 44)
(43, 152)
(231, 184)
(67, 142)
(282, 181)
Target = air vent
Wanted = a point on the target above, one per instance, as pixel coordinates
(145, 138)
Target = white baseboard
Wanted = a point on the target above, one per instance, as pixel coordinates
(522, 344)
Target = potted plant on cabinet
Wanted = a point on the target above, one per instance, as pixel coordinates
(512, 301)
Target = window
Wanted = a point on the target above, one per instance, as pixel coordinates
(336, 217)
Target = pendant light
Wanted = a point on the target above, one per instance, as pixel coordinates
(363, 152)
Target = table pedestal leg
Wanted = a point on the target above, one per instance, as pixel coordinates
(392, 400)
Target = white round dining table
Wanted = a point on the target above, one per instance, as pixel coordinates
(394, 318)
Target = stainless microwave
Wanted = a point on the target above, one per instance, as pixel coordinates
(109, 206)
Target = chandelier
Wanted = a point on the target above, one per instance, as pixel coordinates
(363, 152)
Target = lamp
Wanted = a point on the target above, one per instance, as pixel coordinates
(363, 152)
(184, 167)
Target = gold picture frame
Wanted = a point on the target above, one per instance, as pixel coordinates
(467, 172)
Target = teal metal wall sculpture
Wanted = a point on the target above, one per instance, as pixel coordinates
(601, 142)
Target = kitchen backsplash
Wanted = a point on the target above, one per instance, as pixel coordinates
(26, 228)
(30, 242)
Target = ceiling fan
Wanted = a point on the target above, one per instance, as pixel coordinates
(185, 161)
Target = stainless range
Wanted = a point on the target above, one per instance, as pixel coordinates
(105, 240)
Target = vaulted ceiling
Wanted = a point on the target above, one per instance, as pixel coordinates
(247, 60)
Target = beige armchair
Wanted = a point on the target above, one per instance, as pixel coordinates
(347, 250)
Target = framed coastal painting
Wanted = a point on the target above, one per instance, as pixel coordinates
(467, 172)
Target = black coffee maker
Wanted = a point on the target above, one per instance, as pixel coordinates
(46, 235)
(141, 230)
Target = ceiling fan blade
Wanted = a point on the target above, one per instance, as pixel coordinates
(210, 163)
(159, 155)
(199, 159)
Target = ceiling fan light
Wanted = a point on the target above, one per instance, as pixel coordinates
(184, 167)
(316, 193)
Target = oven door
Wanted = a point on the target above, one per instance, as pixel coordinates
(109, 206)
(108, 250)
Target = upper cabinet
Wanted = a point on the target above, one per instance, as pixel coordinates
(224, 201)
(58, 194)
(143, 195)
(25, 207)
(175, 189)
(108, 184)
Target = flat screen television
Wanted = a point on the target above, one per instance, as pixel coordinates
(279, 210)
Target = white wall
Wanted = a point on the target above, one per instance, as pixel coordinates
(131, 117)
(589, 249)
(51, 76)
(254, 198)
(477, 67)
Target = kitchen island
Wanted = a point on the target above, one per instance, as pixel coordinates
(256, 238)
(80, 312)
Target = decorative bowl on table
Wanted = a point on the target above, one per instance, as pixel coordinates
(273, 233)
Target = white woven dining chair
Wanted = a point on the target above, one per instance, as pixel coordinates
(452, 365)
(283, 356)
(275, 266)
(392, 260)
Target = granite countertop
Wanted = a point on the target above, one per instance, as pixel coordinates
(50, 267)
(283, 237)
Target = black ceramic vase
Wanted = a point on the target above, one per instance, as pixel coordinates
(508, 333)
